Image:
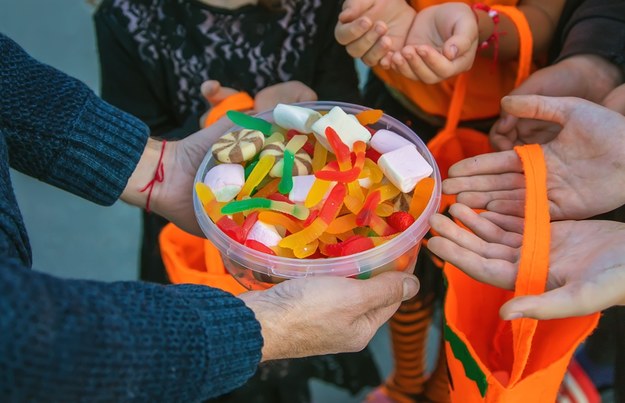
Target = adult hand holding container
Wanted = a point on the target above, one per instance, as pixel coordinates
(326, 199)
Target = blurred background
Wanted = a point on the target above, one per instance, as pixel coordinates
(71, 237)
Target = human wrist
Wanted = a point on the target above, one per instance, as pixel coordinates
(146, 174)
(597, 75)
(271, 325)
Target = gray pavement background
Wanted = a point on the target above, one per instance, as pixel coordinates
(71, 237)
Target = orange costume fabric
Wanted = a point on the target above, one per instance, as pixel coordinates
(524, 360)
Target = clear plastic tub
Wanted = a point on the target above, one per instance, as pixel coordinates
(257, 271)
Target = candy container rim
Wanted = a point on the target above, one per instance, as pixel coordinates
(343, 265)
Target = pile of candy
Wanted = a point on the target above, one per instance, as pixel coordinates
(314, 185)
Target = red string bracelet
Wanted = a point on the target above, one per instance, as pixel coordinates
(159, 176)
(494, 37)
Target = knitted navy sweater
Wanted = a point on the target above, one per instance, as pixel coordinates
(72, 340)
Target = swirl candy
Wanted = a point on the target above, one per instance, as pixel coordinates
(302, 163)
(238, 146)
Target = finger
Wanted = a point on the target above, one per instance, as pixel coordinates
(352, 31)
(399, 63)
(417, 65)
(491, 163)
(489, 232)
(498, 273)
(353, 9)
(507, 223)
(385, 62)
(481, 200)
(484, 183)
(507, 207)
(460, 43)
(209, 88)
(503, 134)
(437, 63)
(469, 241)
(386, 289)
(551, 109)
(561, 302)
(379, 49)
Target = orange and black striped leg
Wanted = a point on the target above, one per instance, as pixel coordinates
(409, 329)
(437, 386)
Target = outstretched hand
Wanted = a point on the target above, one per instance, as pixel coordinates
(584, 76)
(587, 263)
(441, 43)
(325, 315)
(585, 170)
(371, 29)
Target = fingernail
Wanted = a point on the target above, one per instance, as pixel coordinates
(454, 51)
(422, 52)
(379, 29)
(411, 287)
(513, 316)
(365, 23)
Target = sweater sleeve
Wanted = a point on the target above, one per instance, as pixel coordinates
(60, 132)
(71, 340)
(596, 27)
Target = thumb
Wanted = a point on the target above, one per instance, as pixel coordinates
(209, 88)
(563, 302)
(463, 35)
(551, 109)
(388, 289)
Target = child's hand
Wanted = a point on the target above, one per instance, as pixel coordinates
(214, 93)
(442, 43)
(374, 42)
(586, 262)
(285, 93)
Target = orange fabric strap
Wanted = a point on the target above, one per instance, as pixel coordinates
(240, 101)
(526, 41)
(534, 261)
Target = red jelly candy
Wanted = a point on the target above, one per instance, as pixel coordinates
(400, 220)
(259, 246)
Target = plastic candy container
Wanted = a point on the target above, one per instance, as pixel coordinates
(316, 189)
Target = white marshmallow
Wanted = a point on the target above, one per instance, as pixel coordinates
(264, 233)
(301, 187)
(346, 126)
(225, 180)
(404, 167)
(384, 141)
(295, 117)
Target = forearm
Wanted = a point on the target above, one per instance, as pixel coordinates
(63, 133)
(67, 340)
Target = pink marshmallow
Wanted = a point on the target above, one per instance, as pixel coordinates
(384, 141)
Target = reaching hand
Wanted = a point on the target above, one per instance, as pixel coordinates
(372, 42)
(585, 169)
(441, 44)
(324, 315)
(214, 93)
(587, 261)
(584, 76)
